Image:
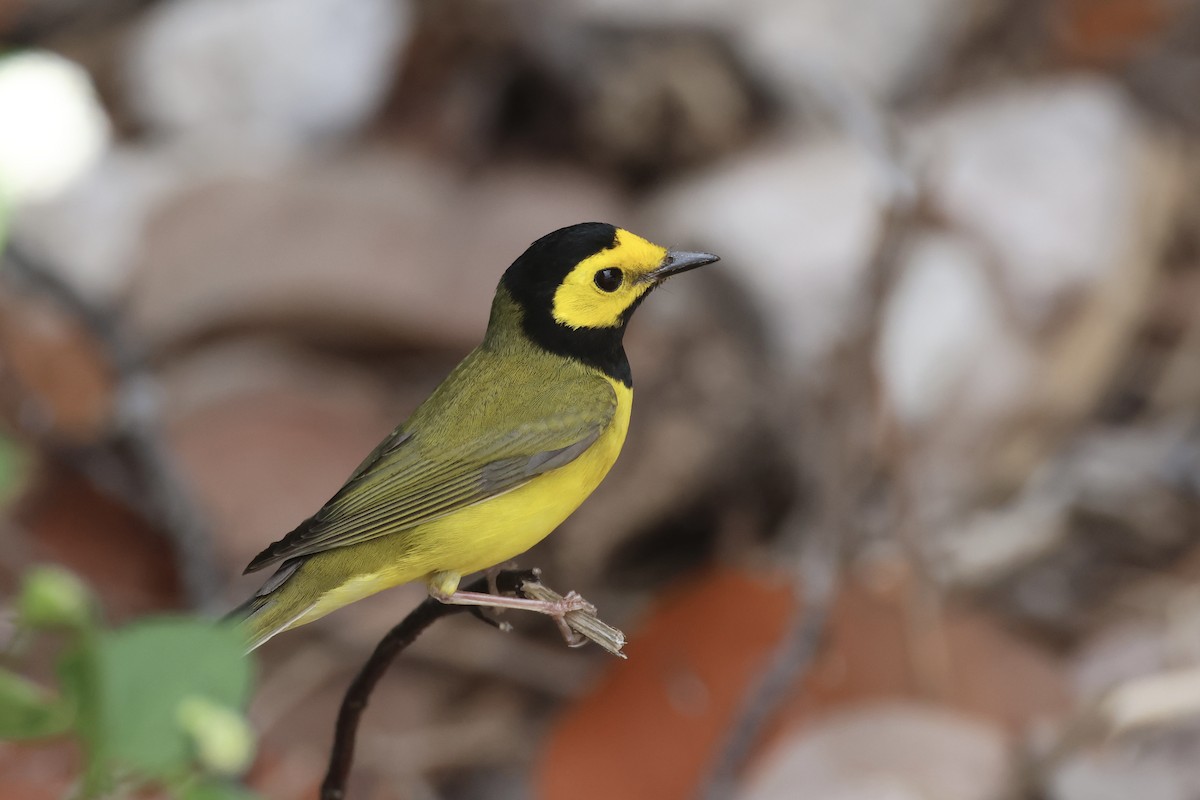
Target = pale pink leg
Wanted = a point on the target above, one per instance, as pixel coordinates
(555, 609)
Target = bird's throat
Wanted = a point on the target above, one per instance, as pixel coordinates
(601, 348)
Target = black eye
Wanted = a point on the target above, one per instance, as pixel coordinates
(609, 279)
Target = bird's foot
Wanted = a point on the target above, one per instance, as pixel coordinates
(555, 609)
(572, 638)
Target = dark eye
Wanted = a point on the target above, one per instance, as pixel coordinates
(609, 279)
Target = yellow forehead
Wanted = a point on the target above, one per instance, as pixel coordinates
(631, 252)
(580, 303)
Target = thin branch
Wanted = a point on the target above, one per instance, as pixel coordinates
(345, 732)
(793, 657)
(525, 583)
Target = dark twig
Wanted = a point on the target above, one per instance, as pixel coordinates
(519, 582)
(793, 656)
(345, 732)
(133, 463)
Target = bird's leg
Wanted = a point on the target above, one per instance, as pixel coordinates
(552, 608)
(555, 609)
(494, 615)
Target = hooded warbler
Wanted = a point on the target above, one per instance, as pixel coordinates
(503, 451)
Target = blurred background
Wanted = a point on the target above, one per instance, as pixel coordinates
(910, 503)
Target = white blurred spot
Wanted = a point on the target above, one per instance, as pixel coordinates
(52, 127)
(943, 335)
(266, 73)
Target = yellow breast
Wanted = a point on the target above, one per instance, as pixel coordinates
(505, 526)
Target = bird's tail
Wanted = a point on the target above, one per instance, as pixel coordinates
(263, 615)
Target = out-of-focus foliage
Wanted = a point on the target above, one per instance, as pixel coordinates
(154, 703)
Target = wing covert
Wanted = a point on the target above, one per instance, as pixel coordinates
(406, 482)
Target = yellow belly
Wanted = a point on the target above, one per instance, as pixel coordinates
(476, 537)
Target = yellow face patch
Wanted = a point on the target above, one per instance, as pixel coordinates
(579, 302)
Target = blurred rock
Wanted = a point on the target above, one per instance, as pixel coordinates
(993, 542)
(945, 340)
(368, 249)
(1004, 330)
(1114, 503)
(1122, 650)
(796, 222)
(90, 233)
(269, 75)
(1062, 185)
(872, 45)
(1066, 204)
(1061, 202)
(1120, 773)
(1143, 630)
(894, 751)
(876, 45)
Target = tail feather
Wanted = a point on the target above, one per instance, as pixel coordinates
(263, 616)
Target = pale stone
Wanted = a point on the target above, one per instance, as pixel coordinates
(900, 751)
(944, 339)
(796, 222)
(1051, 180)
(265, 73)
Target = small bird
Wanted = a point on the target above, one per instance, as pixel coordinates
(504, 450)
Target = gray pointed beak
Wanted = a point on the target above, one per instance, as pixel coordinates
(678, 261)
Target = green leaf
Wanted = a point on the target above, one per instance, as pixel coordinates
(213, 790)
(52, 597)
(28, 711)
(146, 671)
